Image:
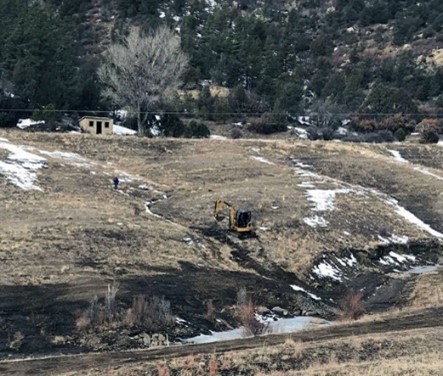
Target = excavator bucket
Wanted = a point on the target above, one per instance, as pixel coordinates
(219, 217)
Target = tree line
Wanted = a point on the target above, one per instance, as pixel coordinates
(274, 59)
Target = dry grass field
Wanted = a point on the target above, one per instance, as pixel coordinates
(314, 205)
(414, 352)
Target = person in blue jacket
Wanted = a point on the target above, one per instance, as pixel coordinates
(115, 181)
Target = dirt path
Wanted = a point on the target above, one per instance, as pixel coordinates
(61, 364)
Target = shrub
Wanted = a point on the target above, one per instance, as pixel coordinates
(151, 312)
(88, 317)
(247, 318)
(380, 136)
(400, 134)
(430, 125)
(374, 137)
(391, 123)
(10, 118)
(327, 133)
(268, 123)
(236, 133)
(110, 300)
(172, 126)
(396, 122)
(242, 296)
(317, 133)
(210, 311)
(163, 370)
(47, 113)
(197, 130)
(429, 138)
(313, 133)
(212, 367)
(350, 307)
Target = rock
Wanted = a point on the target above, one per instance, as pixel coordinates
(262, 310)
(146, 339)
(280, 311)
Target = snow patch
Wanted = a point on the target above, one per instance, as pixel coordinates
(412, 218)
(324, 270)
(123, 131)
(427, 172)
(26, 123)
(298, 288)
(350, 261)
(306, 184)
(280, 326)
(304, 120)
(20, 166)
(396, 259)
(217, 137)
(300, 133)
(261, 159)
(72, 158)
(323, 199)
(402, 258)
(393, 239)
(397, 156)
(316, 221)
(421, 269)
(342, 131)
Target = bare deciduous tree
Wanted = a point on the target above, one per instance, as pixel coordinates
(141, 70)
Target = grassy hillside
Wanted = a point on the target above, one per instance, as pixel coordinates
(329, 218)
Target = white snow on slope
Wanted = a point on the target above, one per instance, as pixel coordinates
(300, 133)
(411, 218)
(71, 158)
(393, 239)
(20, 166)
(323, 199)
(316, 221)
(348, 261)
(298, 288)
(397, 156)
(280, 326)
(122, 131)
(26, 123)
(217, 137)
(261, 159)
(324, 269)
(427, 172)
(395, 259)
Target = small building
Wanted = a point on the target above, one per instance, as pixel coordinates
(97, 125)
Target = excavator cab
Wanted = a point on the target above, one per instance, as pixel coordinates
(239, 220)
(243, 218)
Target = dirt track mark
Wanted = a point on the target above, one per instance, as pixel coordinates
(75, 363)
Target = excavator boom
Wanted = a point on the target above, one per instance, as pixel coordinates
(239, 220)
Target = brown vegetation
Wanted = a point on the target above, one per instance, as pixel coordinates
(350, 307)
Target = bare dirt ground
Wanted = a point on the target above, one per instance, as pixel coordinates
(63, 245)
(398, 336)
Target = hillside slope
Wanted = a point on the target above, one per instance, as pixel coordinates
(329, 217)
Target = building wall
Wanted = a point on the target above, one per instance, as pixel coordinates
(91, 125)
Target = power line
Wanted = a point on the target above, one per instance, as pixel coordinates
(245, 113)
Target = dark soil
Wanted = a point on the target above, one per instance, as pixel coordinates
(57, 365)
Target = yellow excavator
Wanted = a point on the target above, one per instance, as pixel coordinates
(240, 221)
